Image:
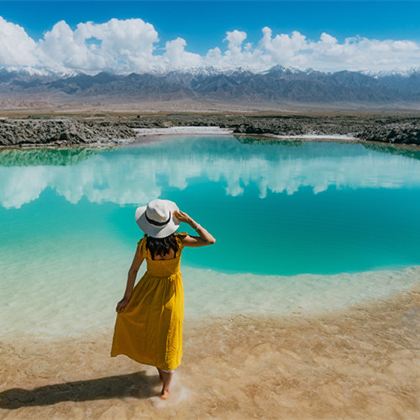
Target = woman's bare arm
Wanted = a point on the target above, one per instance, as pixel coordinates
(132, 274)
(204, 238)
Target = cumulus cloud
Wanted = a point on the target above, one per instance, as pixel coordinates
(133, 45)
(118, 45)
(235, 40)
(16, 47)
(177, 58)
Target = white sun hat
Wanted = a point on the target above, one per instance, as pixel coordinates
(156, 219)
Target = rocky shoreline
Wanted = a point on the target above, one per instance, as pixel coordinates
(109, 130)
(61, 132)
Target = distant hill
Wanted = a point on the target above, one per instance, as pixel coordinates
(275, 86)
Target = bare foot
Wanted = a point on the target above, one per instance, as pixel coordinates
(164, 395)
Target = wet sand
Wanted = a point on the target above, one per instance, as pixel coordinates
(357, 363)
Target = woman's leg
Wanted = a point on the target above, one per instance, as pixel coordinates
(166, 376)
(160, 374)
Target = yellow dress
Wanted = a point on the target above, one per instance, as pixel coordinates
(149, 329)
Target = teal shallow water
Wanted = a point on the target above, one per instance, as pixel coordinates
(275, 208)
(304, 210)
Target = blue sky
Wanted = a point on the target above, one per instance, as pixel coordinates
(203, 24)
(143, 36)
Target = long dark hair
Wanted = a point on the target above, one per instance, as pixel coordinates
(162, 246)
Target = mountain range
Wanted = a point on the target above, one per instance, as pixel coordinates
(274, 86)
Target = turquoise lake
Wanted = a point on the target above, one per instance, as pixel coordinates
(275, 208)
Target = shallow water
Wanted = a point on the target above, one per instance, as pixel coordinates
(289, 218)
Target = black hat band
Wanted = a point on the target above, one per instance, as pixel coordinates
(154, 222)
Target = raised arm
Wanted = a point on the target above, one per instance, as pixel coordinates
(132, 274)
(204, 238)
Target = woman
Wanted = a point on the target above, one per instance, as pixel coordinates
(148, 326)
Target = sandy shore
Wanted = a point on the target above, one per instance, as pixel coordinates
(103, 128)
(358, 363)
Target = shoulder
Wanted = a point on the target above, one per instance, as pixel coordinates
(142, 240)
(180, 236)
(141, 244)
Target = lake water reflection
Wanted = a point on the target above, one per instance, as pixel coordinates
(275, 207)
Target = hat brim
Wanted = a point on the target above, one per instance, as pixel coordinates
(153, 230)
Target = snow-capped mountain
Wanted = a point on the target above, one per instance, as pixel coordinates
(276, 85)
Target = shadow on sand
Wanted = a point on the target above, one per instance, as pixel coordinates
(136, 385)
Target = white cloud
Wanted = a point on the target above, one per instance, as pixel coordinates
(132, 45)
(120, 46)
(176, 58)
(235, 40)
(16, 47)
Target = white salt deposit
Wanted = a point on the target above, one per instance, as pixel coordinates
(210, 130)
(315, 136)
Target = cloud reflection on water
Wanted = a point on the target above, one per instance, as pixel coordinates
(137, 174)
